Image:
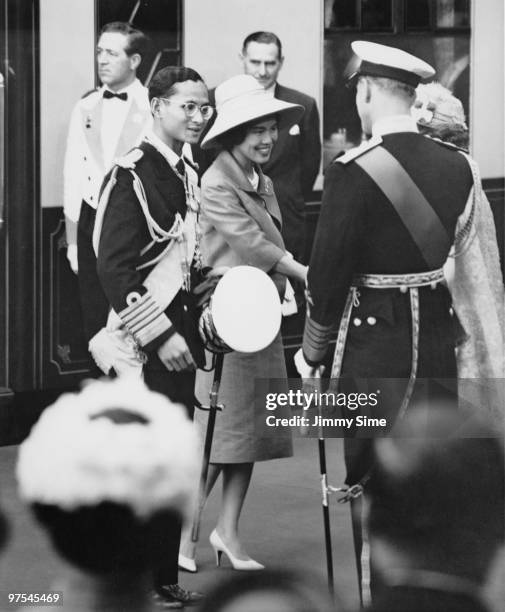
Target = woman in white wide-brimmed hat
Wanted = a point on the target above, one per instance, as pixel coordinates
(241, 224)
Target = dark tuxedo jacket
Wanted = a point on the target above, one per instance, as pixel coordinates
(124, 235)
(293, 168)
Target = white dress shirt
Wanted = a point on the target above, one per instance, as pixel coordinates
(394, 124)
(113, 118)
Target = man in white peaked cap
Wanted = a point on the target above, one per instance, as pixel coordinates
(388, 220)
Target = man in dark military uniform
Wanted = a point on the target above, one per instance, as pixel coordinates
(146, 238)
(388, 218)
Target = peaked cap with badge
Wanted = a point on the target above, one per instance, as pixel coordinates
(378, 60)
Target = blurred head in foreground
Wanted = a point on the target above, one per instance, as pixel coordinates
(105, 470)
(437, 497)
(272, 590)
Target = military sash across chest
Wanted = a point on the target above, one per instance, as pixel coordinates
(416, 213)
(428, 233)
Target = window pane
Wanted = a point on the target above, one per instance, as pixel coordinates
(449, 55)
(341, 124)
(418, 14)
(159, 19)
(453, 13)
(376, 15)
(341, 13)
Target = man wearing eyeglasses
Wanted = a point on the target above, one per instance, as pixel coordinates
(105, 124)
(148, 260)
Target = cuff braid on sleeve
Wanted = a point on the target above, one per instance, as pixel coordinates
(144, 319)
(316, 338)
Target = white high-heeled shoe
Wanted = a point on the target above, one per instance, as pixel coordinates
(187, 564)
(239, 564)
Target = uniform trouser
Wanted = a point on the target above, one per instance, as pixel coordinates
(94, 304)
(379, 356)
(178, 387)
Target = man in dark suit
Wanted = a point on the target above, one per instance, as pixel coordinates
(148, 261)
(388, 219)
(295, 159)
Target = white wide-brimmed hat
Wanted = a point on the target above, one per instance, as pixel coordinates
(242, 99)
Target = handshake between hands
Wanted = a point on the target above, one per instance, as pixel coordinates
(304, 369)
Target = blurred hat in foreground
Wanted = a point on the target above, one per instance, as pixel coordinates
(115, 441)
(108, 472)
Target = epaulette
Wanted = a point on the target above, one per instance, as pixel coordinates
(352, 154)
(88, 93)
(130, 159)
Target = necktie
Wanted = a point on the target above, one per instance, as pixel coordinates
(107, 94)
(179, 166)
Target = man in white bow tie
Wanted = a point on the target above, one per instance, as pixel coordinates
(105, 124)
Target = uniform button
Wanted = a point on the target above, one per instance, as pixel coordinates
(357, 322)
(91, 198)
(451, 311)
(185, 308)
(371, 320)
(403, 289)
(89, 178)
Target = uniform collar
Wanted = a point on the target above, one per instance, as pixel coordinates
(170, 155)
(394, 125)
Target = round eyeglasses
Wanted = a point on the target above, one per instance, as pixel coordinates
(191, 108)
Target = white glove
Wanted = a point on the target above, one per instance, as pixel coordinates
(72, 257)
(304, 369)
(288, 306)
(112, 349)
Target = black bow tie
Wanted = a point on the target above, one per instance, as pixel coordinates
(107, 94)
